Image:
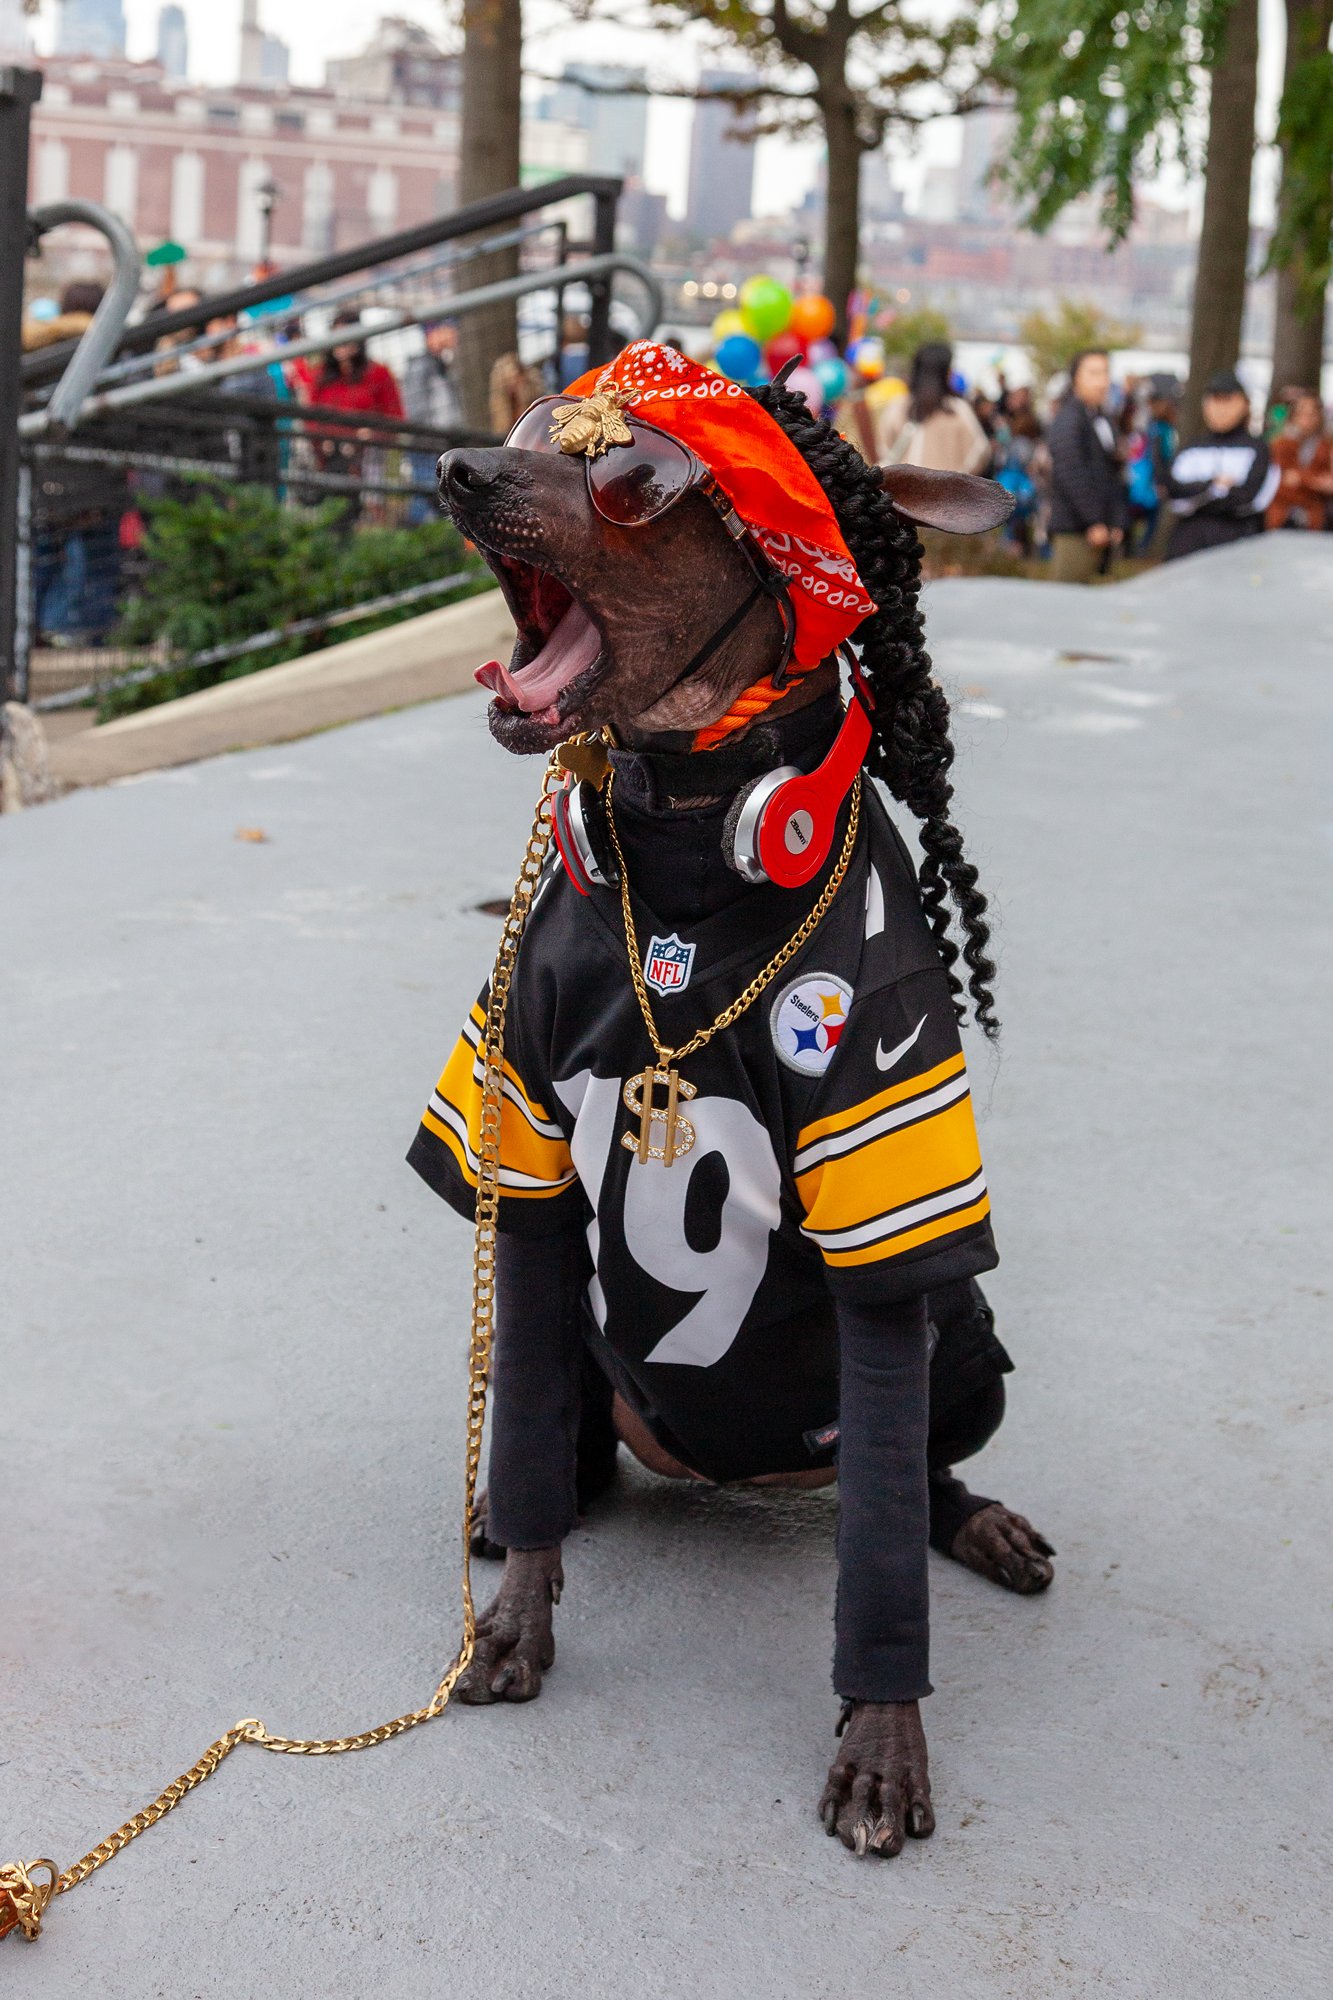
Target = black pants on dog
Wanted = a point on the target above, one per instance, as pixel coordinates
(923, 1367)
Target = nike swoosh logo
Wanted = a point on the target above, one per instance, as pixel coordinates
(886, 1058)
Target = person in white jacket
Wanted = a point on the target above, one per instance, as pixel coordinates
(930, 426)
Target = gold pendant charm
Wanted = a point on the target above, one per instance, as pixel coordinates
(663, 1134)
(585, 760)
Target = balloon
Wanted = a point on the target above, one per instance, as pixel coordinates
(782, 348)
(832, 374)
(884, 391)
(738, 356)
(805, 382)
(822, 350)
(765, 307)
(725, 324)
(813, 316)
(867, 358)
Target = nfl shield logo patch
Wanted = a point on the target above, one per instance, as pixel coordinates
(668, 964)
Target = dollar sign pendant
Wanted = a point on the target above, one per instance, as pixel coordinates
(663, 1134)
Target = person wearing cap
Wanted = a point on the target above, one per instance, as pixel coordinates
(1222, 481)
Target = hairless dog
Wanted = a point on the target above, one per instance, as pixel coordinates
(797, 1302)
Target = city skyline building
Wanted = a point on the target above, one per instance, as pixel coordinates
(721, 165)
(90, 28)
(402, 63)
(265, 59)
(15, 40)
(986, 135)
(595, 97)
(173, 41)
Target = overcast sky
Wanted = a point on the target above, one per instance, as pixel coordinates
(317, 29)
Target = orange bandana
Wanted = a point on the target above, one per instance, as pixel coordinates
(767, 481)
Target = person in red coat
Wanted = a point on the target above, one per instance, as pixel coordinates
(350, 380)
(1304, 456)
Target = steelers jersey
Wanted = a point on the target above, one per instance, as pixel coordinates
(831, 1143)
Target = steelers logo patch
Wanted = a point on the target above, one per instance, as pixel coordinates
(807, 1021)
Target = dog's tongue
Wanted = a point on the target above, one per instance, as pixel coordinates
(570, 651)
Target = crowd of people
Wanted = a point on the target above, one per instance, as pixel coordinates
(92, 517)
(1107, 473)
(1099, 473)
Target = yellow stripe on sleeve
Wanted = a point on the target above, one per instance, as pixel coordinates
(535, 1159)
(897, 1093)
(907, 1182)
(911, 1239)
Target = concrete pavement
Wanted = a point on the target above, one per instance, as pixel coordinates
(233, 1391)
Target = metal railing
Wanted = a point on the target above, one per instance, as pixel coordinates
(159, 414)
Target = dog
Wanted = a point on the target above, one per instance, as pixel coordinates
(787, 1294)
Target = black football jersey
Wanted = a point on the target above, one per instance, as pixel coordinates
(834, 1147)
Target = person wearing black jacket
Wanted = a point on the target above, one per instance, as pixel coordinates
(1221, 482)
(1087, 498)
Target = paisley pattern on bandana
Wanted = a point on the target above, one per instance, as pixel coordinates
(763, 475)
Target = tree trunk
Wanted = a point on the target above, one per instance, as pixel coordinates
(1298, 332)
(842, 212)
(488, 164)
(1224, 240)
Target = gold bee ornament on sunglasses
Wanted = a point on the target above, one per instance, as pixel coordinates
(591, 427)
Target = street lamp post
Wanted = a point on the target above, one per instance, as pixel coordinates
(268, 192)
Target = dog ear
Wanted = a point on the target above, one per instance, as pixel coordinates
(957, 502)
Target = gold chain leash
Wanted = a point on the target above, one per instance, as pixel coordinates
(22, 1901)
(668, 1057)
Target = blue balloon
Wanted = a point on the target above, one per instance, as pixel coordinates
(738, 356)
(832, 373)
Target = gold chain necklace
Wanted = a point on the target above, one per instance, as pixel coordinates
(676, 1132)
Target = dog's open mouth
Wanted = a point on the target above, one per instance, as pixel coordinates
(558, 642)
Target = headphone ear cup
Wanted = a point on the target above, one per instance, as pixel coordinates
(591, 808)
(745, 822)
(746, 863)
(582, 837)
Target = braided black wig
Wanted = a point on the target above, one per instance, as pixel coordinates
(911, 749)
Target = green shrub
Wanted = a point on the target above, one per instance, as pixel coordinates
(222, 565)
(908, 329)
(1053, 339)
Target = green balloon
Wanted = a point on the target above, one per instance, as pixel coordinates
(765, 307)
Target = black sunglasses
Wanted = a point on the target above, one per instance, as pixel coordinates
(635, 483)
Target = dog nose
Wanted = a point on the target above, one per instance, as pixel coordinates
(462, 475)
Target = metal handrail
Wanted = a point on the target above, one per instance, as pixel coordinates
(36, 422)
(100, 339)
(140, 364)
(477, 216)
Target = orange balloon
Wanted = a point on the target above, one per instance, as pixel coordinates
(812, 317)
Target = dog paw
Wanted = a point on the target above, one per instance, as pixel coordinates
(878, 1791)
(515, 1642)
(1006, 1548)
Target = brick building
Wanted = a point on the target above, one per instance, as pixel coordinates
(181, 160)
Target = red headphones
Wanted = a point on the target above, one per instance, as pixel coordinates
(780, 827)
(578, 822)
